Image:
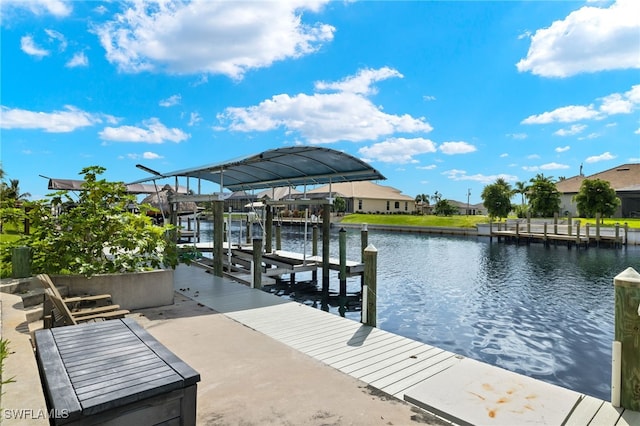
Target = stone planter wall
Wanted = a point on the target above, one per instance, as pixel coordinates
(136, 290)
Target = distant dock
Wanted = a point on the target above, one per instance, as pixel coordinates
(571, 234)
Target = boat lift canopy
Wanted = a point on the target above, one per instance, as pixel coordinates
(291, 166)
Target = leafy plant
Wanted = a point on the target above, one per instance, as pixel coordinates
(4, 353)
(100, 232)
(497, 198)
(596, 196)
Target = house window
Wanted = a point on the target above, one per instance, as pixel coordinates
(360, 205)
(397, 205)
(388, 203)
(406, 206)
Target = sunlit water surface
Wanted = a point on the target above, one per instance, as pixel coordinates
(546, 312)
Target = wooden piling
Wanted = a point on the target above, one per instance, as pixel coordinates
(615, 243)
(326, 230)
(268, 245)
(278, 237)
(218, 237)
(577, 234)
(598, 229)
(555, 223)
(364, 242)
(528, 222)
(314, 250)
(256, 281)
(569, 223)
(371, 285)
(546, 241)
(342, 241)
(627, 324)
(248, 229)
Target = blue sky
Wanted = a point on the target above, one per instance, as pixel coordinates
(438, 96)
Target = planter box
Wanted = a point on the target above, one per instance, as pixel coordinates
(136, 290)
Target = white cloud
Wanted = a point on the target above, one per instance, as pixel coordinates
(461, 175)
(452, 148)
(398, 150)
(553, 166)
(361, 83)
(562, 148)
(153, 132)
(589, 39)
(53, 122)
(148, 155)
(171, 101)
(504, 155)
(213, 37)
(565, 114)
(194, 118)
(533, 157)
(602, 157)
(573, 130)
(29, 47)
(429, 167)
(79, 59)
(59, 8)
(517, 136)
(59, 37)
(615, 103)
(429, 98)
(324, 117)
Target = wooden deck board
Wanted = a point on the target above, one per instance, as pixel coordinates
(459, 389)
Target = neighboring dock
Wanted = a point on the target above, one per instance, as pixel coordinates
(459, 389)
(569, 233)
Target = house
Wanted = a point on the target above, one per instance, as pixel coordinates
(367, 197)
(624, 179)
(468, 209)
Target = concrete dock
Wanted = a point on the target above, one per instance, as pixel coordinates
(266, 360)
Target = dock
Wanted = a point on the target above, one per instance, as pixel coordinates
(458, 389)
(553, 233)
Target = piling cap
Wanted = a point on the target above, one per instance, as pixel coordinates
(371, 247)
(627, 278)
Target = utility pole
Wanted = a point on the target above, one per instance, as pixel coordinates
(468, 195)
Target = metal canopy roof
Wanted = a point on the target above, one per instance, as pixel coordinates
(291, 166)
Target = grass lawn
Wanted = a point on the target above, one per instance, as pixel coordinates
(455, 221)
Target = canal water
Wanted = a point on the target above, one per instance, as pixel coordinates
(545, 312)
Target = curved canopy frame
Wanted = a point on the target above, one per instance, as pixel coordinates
(291, 166)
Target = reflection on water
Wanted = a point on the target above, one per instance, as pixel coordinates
(546, 312)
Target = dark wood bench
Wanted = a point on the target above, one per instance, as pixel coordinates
(113, 372)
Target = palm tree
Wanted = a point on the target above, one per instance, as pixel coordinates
(521, 188)
(13, 191)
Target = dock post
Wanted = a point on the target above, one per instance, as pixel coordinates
(370, 285)
(615, 243)
(577, 233)
(314, 250)
(278, 237)
(342, 298)
(326, 231)
(218, 237)
(268, 245)
(517, 232)
(490, 230)
(256, 266)
(555, 223)
(569, 223)
(528, 222)
(248, 229)
(598, 229)
(626, 233)
(364, 242)
(627, 324)
(546, 242)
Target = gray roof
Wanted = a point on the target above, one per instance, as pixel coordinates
(291, 166)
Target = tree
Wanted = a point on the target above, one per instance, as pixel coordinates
(522, 188)
(544, 198)
(444, 208)
(497, 198)
(97, 233)
(339, 204)
(596, 196)
(422, 201)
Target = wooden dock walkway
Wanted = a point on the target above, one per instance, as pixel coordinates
(461, 390)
